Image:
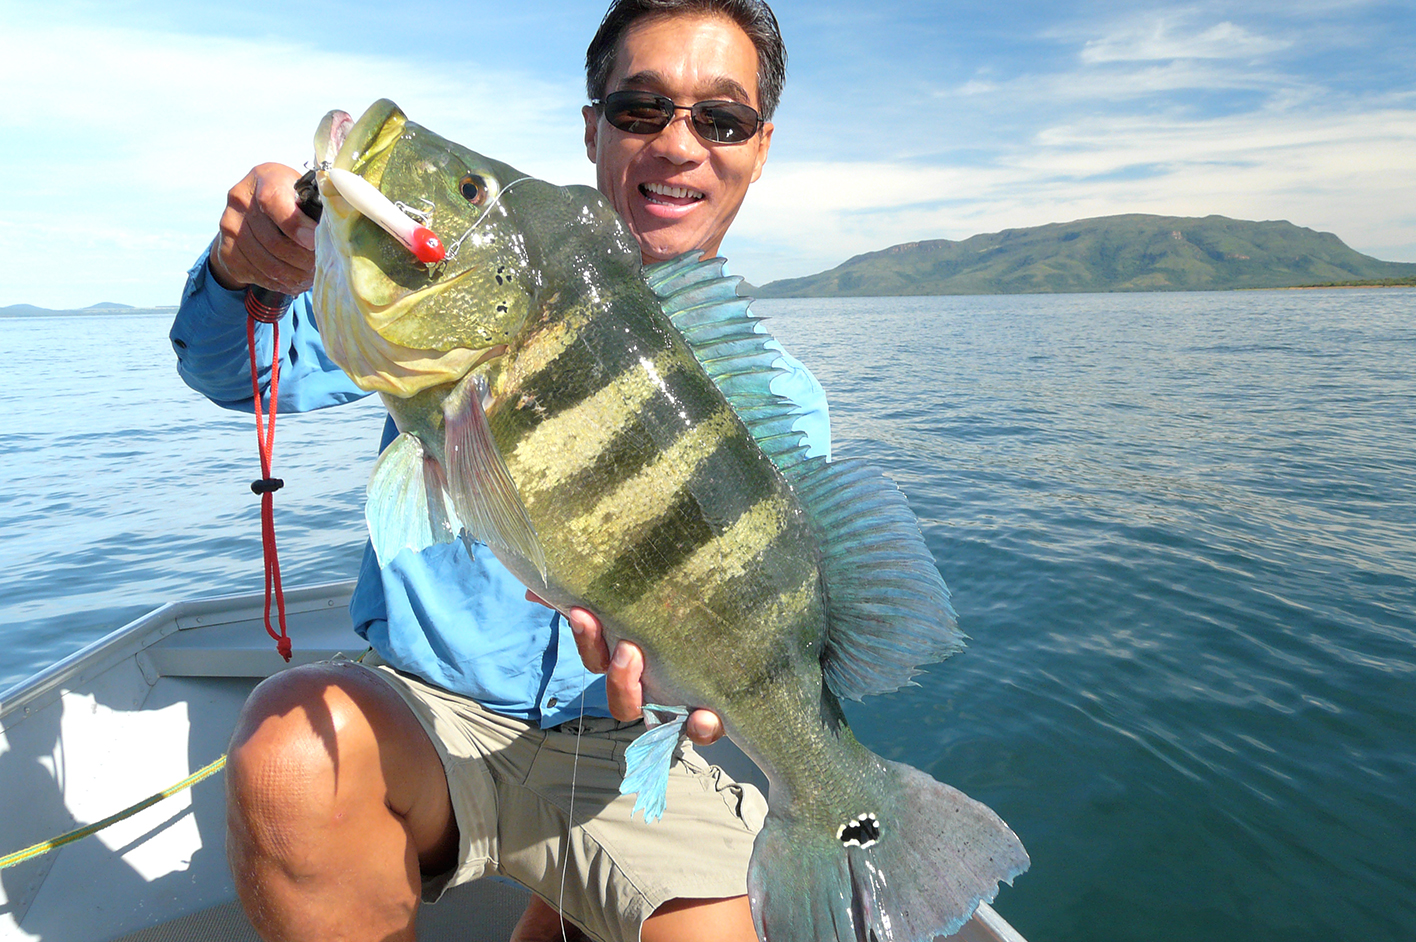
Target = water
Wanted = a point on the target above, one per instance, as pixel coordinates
(1180, 529)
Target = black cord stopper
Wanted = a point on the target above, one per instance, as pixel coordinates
(266, 485)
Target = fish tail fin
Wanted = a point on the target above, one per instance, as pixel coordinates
(912, 870)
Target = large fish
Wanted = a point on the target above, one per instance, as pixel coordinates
(609, 432)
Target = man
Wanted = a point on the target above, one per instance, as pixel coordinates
(353, 793)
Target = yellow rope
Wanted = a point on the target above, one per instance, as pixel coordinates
(44, 847)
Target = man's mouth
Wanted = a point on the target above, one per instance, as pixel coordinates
(670, 195)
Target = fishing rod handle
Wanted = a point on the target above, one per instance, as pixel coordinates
(266, 304)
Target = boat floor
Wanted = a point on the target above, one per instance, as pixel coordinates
(485, 909)
(142, 709)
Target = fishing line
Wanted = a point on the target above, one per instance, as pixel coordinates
(574, 771)
(453, 249)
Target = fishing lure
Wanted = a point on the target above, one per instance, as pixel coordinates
(366, 198)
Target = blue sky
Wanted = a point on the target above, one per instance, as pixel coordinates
(125, 121)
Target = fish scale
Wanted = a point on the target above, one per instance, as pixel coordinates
(612, 435)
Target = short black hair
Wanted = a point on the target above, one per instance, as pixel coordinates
(754, 17)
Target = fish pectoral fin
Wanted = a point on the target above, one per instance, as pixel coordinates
(483, 493)
(648, 758)
(887, 608)
(407, 506)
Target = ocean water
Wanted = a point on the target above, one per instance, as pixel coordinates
(1180, 530)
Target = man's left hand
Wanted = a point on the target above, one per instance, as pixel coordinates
(623, 674)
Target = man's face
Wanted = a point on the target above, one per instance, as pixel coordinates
(676, 191)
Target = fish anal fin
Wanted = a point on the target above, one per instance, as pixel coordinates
(483, 492)
(887, 608)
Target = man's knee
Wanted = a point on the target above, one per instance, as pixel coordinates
(325, 746)
(317, 846)
(296, 731)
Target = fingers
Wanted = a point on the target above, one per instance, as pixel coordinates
(590, 641)
(624, 688)
(624, 675)
(623, 682)
(703, 727)
(265, 238)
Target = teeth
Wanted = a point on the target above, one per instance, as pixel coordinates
(677, 192)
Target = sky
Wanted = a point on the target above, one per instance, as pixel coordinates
(124, 122)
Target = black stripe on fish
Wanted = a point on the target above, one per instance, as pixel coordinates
(723, 480)
(578, 372)
(633, 447)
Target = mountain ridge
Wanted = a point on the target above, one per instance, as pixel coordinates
(1128, 252)
(103, 307)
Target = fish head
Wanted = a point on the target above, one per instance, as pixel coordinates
(392, 322)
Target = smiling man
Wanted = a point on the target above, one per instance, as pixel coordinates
(354, 793)
(678, 189)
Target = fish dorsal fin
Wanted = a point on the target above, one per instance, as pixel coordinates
(714, 320)
(483, 492)
(887, 607)
(408, 501)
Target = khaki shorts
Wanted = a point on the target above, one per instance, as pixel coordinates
(511, 786)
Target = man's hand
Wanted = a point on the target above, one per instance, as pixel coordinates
(265, 238)
(623, 673)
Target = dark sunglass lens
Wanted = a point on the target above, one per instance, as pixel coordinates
(725, 122)
(638, 113)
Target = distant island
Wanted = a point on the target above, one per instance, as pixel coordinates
(103, 307)
(1132, 252)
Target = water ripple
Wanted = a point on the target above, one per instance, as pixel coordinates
(1179, 529)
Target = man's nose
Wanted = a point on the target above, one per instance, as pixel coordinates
(678, 142)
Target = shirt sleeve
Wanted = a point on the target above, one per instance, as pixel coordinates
(209, 337)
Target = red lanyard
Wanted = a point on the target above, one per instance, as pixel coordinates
(259, 309)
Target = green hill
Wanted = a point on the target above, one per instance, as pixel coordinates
(1133, 252)
(105, 308)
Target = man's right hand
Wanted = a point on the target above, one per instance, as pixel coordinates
(265, 238)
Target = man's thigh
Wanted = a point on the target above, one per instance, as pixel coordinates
(517, 789)
(611, 870)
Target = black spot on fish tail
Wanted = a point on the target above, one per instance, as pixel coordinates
(861, 831)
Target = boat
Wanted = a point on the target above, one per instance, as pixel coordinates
(148, 706)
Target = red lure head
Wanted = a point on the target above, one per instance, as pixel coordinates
(427, 247)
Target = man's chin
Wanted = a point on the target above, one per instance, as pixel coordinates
(665, 244)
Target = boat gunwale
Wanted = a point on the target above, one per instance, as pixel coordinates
(129, 641)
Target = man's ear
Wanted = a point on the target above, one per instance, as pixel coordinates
(764, 142)
(592, 129)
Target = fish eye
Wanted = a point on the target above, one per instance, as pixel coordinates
(473, 188)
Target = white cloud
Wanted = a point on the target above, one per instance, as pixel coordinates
(1340, 172)
(1173, 35)
(129, 143)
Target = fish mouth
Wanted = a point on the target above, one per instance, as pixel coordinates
(342, 142)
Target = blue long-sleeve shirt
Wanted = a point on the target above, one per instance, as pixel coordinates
(458, 620)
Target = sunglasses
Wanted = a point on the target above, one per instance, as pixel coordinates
(718, 122)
